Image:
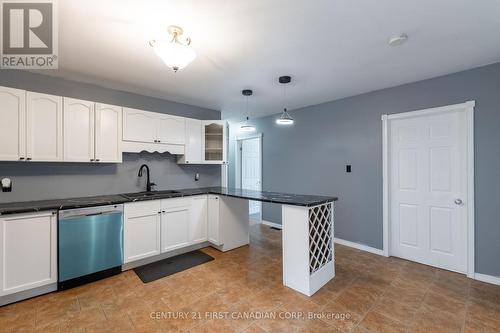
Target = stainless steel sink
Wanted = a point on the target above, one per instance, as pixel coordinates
(139, 195)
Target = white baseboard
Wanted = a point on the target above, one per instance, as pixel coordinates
(271, 224)
(358, 246)
(487, 278)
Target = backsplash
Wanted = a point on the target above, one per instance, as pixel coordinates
(38, 181)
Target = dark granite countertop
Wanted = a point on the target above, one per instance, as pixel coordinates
(71, 203)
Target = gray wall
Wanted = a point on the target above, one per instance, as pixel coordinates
(34, 181)
(310, 156)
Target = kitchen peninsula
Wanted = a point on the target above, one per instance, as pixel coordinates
(308, 252)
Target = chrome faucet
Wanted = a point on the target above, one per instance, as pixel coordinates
(149, 184)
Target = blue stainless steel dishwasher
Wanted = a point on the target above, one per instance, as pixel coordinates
(90, 244)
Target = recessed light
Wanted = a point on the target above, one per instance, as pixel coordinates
(398, 39)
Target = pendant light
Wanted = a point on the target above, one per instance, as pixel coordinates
(174, 51)
(285, 118)
(246, 127)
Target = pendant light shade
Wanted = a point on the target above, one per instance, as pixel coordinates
(285, 118)
(247, 127)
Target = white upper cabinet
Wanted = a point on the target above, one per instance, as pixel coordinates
(44, 127)
(153, 127)
(170, 129)
(79, 127)
(12, 124)
(139, 126)
(214, 141)
(92, 131)
(193, 149)
(108, 133)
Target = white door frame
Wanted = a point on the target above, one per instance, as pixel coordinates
(237, 154)
(468, 108)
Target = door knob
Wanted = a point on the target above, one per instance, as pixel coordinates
(458, 201)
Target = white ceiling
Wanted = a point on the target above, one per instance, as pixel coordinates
(331, 48)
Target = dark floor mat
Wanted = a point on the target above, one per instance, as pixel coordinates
(169, 266)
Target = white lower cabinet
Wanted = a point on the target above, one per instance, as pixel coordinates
(198, 220)
(175, 223)
(214, 234)
(141, 234)
(28, 247)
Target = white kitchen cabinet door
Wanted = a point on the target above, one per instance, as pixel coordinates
(139, 126)
(141, 233)
(108, 133)
(193, 151)
(214, 234)
(214, 141)
(170, 129)
(198, 220)
(44, 127)
(12, 124)
(78, 130)
(174, 228)
(28, 245)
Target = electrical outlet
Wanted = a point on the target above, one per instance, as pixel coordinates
(196, 176)
(348, 168)
(6, 185)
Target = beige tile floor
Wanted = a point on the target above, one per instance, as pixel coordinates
(369, 294)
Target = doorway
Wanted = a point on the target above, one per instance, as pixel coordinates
(429, 187)
(249, 170)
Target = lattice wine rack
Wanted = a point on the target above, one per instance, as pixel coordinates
(308, 251)
(320, 237)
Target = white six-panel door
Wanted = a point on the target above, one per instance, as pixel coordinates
(428, 189)
(44, 127)
(13, 124)
(250, 170)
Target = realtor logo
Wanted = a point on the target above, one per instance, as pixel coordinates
(29, 34)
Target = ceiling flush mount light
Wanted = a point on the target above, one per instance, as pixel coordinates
(174, 51)
(398, 40)
(285, 118)
(246, 127)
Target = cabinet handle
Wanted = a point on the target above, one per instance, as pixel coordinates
(21, 158)
(92, 160)
(163, 211)
(97, 160)
(159, 140)
(159, 212)
(28, 159)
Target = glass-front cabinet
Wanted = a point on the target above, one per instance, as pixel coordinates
(214, 137)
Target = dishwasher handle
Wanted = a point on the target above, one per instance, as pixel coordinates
(90, 211)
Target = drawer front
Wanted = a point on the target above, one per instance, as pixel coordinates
(141, 208)
(175, 202)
